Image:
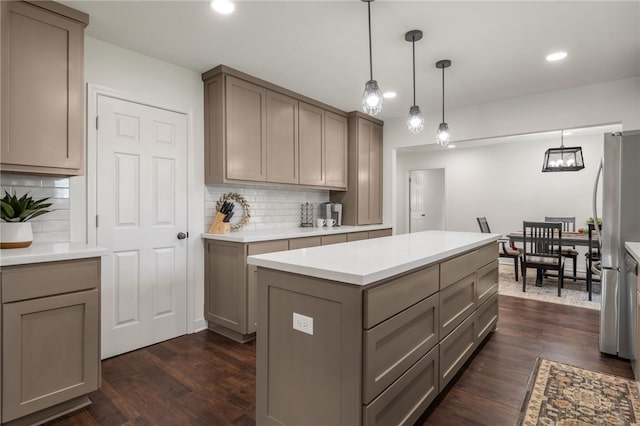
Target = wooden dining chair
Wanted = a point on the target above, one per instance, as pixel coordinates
(593, 261)
(568, 225)
(542, 250)
(507, 249)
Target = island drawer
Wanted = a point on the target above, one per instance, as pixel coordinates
(457, 302)
(396, 344)
(455, 349)
(49, 278)
(404, 401)
(487, 282)
(298, 243)
(459, 267)
(388, 299)
(486, 318)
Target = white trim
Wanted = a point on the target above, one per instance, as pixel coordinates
(93, 91)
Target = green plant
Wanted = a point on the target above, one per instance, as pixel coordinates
(22, 209)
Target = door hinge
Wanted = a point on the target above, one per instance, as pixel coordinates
(96, 221)
(97, 122)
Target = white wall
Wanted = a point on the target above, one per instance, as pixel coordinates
(157, 83)
(605, 103)
(504, 182)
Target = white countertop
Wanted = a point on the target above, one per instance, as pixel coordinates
(367, 261)
(634, 249)
(49, 252)
(286, 233)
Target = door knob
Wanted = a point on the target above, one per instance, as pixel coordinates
(182, 235)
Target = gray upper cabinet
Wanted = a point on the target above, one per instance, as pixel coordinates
(42, 88)
(246, 118)
(258, 132)
(312, 147)
(282, 138)
(335, 130)
(362, 203)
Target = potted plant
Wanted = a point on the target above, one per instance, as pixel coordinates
(15, 229)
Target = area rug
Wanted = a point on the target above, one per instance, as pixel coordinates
(574, 292)
(563, 395)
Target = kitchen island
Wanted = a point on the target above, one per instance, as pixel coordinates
(369, 332)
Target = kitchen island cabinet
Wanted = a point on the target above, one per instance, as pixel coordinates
(371, 331)
(41, 111)
(231, 284)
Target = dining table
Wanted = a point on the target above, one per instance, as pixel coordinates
(567, 238)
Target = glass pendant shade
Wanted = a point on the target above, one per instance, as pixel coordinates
(443, 136)
(372, 98)
(415, 122)
(563, 159)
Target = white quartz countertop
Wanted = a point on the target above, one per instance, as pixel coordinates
(49, 252)
(367, 261)
(634, 249)
(286, 233)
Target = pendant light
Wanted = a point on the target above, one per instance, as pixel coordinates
(563, 159)
(415, 122)
(372, 97)
(443, 136)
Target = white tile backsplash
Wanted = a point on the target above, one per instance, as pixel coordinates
(51, 227)
(271, 208)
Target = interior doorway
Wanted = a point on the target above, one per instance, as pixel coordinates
(427, 200)
(141, 205)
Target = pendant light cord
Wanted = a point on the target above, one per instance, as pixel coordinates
(370, 51)
(443, 94)
(413, 44)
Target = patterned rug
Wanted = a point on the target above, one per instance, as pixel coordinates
(563, 395)
(574, 292)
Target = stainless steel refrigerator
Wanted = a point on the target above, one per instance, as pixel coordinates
(620, 171)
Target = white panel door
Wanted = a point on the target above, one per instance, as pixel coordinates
(417, 219)
(142, 207)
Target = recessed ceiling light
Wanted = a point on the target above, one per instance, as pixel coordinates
(222, 6)
(556, 56)
(451, 146)
(389, 95)
(568, 133)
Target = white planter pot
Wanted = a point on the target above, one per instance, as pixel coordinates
(15, 235)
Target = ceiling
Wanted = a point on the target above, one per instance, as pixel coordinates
(319, 48)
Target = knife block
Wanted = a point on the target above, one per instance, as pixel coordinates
(218, 226)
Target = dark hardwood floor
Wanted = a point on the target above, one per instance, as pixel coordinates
(206, 379)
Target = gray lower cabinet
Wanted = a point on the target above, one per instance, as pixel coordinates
(50, 338)
(380, 353)
(230, 291)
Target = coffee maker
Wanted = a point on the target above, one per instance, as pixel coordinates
(333, 211)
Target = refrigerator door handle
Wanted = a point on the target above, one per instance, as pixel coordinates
(595, 204)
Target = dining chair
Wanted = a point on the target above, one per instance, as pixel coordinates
(507, 249)
(568, 225)
(542, 250)
(593, 261)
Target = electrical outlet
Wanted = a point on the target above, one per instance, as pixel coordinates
(303, 323)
